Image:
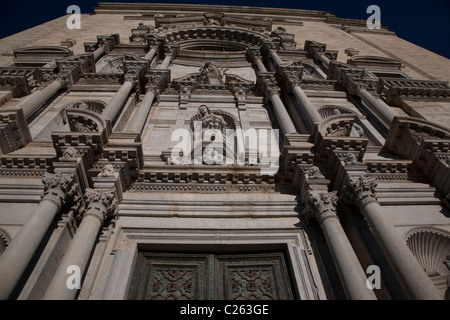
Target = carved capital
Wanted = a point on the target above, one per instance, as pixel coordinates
(361, 190)
(101, 203)
(321, 206)
(63, 80)
(59, 188)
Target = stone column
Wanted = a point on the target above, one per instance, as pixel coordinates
(150, 54)
(116, 103)
(140, 117)
(38, 98)
(275, 57)
(311, 113)
(100, 205)
(99, 52)
(260, 64)
(324, 59)
(15, 259)
(283, 116)
(322, 206)
(166, 62)
(378, 106)
(412, 277)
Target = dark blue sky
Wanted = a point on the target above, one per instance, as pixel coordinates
(425, 23)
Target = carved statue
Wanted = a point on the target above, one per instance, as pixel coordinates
(356, 131)
(350, 159)
(211, 156)
(210, 71)
(211, 120)
(108, 171)
(314, 173)
(83, 106)
(279, 30)
(70, 154)
(143, 26)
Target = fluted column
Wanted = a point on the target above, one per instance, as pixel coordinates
(116, 103)
(310, 111)
(100, 205)
(412, 277)
(30, 104)
(140, 117)
(15, 259)
(283, 116)
(378, 106)
(166, 62)
(322, 206)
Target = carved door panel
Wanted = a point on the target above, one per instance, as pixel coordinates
(210, 276)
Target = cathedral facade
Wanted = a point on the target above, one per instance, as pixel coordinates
(222, 152)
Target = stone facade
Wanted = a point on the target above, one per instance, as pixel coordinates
(219, 152)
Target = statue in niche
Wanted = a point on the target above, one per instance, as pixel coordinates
(211, 120)
(210, 74)
(211, 156)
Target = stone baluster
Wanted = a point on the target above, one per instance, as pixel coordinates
(30, 104)
(140, 117)
(411, 276)
(115, 105)
(58, 190)
(100, 206)
(322, 206)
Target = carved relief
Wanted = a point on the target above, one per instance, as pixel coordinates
(361, 190)
(435, 258)
(59, 188)
(320, 206)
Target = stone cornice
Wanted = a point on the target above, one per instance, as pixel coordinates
(396, 90)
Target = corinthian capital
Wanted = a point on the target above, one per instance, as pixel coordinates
(100, 203)
(361, 190)
(321, 205)
(59, 188)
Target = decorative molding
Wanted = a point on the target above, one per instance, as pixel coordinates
(14, 130)
(397, 90)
